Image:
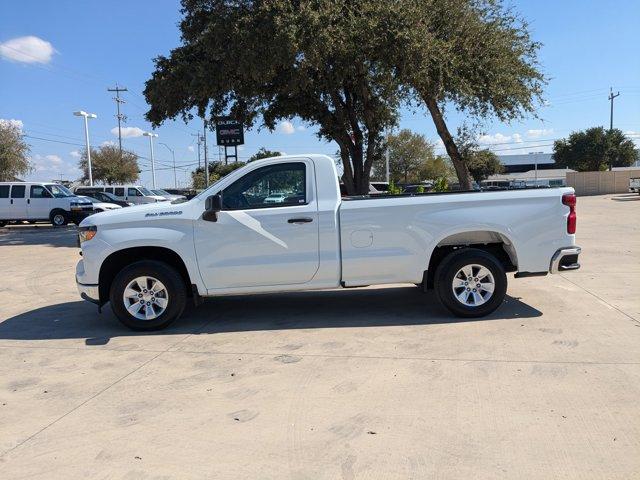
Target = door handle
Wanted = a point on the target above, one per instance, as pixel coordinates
(29, 201)
(12, 201)
(300, 220)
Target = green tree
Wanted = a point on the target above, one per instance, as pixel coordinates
(476, 56)
(346, 66)
(594, 149)
(482, 164)
(409, 153)
(263, 153)
(217, 170)
(439, 167)
(107, 166)
(14, 152)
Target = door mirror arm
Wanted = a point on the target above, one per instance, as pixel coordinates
(213, 205)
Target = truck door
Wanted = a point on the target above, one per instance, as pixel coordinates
(267, 233)
(18, 202)
(39, 203)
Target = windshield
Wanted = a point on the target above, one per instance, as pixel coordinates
(60, 191)
(144, 191)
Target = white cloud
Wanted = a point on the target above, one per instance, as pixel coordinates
(286, 127)
(108, 143)
(12, 122)
(75, 154)
(128, 132)
(191, 148)
(498, 138)
(28, 49)
(539, 132)
(240, 148)
(301, 128)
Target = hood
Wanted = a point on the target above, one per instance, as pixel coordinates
(136, 214)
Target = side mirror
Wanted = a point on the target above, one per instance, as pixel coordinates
(213, 205)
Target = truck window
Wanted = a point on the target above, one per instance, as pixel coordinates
(118, 191)
(133, 192)
(38, 191)
(4, 191)
(108, 189)
(17, 191)
(281, 185)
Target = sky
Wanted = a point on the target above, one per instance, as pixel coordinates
(60, 57)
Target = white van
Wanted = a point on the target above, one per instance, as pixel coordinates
(36, 201)
(128, 193)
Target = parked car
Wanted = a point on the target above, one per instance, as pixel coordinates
(634, 184)
(275, 198)
(35, 201)
(229, 240)
(110, 198)
(168, 196)
(135, 194)
(99, 206)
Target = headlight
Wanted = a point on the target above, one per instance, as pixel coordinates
(87, 233)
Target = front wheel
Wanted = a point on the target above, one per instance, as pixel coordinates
(58, 218)
(148, 295)
(470, 283)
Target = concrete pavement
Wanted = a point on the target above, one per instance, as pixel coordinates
(361, 383)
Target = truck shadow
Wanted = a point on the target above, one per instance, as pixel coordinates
(375, 307)
(39, 235)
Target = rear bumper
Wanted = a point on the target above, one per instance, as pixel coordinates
(565, 259)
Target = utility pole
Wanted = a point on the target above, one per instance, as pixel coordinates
(119, 116)
(206, 158)
(611, 97)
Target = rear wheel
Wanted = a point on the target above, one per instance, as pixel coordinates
(58, 218)
(470, 283)
(148, 295)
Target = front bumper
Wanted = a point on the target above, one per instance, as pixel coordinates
(77, 215)
(89, 292)
(565, 259)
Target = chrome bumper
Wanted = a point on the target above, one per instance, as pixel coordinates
(89, 292)
(565, 259)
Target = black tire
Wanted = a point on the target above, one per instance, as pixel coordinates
(3, 223)
(173, 282)
(451, 265)
(58, 218)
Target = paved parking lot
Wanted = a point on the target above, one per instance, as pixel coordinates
(361, 383)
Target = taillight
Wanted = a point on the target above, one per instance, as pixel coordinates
(569, 199)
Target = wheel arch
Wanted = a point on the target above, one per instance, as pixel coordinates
(119, 259)
(497, 243)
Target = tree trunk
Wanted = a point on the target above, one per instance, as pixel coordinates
(464, 177)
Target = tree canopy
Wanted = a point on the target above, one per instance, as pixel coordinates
(263, 153)
(347, 66)
(14, 152)
(594, 149)
(409, 154)
(107, 166)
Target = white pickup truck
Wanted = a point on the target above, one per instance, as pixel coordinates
(234, 238)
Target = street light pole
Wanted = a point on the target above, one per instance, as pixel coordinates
(153, 163)
(87, 116)
(173, 154)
